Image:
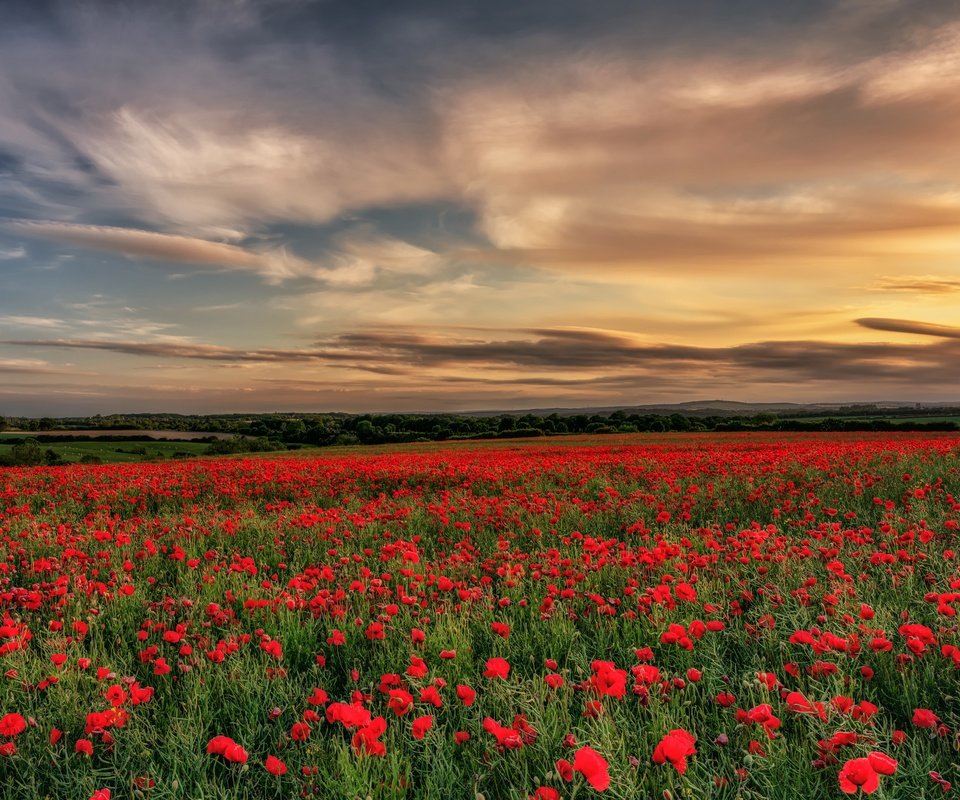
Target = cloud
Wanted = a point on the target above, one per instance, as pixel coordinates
(163, 247)
(354, 259)
(12, 253)
(910, 326)
(357, 256)
(24, 366)
(921, 284)
(753, 162)
(550, 356)
(30, 322)
(818, 143)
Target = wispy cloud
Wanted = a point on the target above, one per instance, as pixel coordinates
(24, 366)
(921, 284)
(910, 326)
(156, 246)
(12, 253)
(30, 322)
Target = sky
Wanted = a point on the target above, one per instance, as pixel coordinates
(382, 205)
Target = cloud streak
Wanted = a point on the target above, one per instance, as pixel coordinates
(549, 357)
(910, 326)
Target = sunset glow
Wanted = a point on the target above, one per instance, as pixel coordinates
(254, 205)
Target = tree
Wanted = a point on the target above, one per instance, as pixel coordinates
(28, 453)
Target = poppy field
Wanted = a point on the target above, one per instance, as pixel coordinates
(732, 616)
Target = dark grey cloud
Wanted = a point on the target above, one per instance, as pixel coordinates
(909, 326)
(579, 353)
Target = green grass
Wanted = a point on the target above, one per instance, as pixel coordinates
(118, 452)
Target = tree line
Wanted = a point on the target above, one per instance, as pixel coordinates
(267, 432)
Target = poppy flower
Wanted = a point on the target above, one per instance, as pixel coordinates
(275, 766)
(421, 725)
(466, 694)
(863, 773)
(299, 731)
(83, 746)
(725, 699)
(508, 738)
(675, 747)
(925, 718)
(400, 702)
(593, 766)
(101, 794)
(429, 694)
(461, 737)
(367, 739)
(12, 724)
(938, 779)
(545, 793)
(350, 715)
(228, 748)
(497, 668)
(799, 704)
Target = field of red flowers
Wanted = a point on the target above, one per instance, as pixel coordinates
(727, 617)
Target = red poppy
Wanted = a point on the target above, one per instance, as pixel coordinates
(497, 668)
(925, 718)
(367, 739)
(675, 747)
(501, 629)
(12, 724)
(430, 694)
(318, 698)
(545, 793)
(466, 694)
(863, 773)
(275, 766)
(509, 738)
(593, 766)
(299, 731)
(228, 748)
(400, 702)
(84, 746)
(421, 725)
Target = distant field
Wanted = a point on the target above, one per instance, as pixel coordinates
(183, 435)
(913, 420)
(117, 452)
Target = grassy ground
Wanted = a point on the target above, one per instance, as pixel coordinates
(120, 452)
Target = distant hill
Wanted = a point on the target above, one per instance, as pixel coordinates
(722, 408)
